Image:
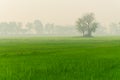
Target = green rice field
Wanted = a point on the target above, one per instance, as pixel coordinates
(59, 58)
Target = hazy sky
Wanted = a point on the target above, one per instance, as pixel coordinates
(64, 12)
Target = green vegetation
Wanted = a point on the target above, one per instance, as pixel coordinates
(60, 58)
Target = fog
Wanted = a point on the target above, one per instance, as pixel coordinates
(56, 17)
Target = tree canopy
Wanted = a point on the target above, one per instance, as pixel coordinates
(87, 25)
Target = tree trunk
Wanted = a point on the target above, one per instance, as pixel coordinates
(83, 34)
(89, 34)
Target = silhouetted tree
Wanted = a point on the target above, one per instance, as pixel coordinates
(29, 26)
(4, 28)
(87, 25)
(114, 28)
(49, 28)
(38, 26)
(81, 26)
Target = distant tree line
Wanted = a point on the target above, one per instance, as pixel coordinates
(35, 28)
(114, 28)
(86, 26)
(10, 28)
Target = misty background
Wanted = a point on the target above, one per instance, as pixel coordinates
(56, 17)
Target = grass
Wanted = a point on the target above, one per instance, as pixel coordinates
(60, 58)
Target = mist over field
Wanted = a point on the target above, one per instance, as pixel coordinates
(57, 18)
(59, 40)
(50, 29)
